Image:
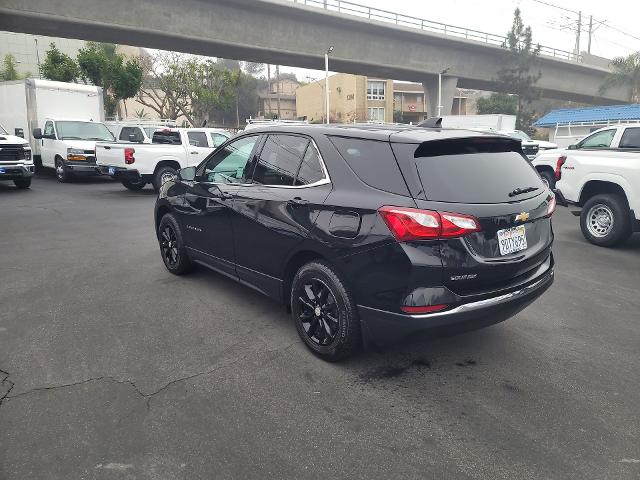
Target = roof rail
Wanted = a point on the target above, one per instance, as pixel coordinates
(433, 122)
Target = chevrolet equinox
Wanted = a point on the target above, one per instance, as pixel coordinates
(367, 233)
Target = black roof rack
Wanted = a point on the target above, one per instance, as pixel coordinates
(433, 122)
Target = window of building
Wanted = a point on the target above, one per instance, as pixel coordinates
(376, 114)
(375, 90)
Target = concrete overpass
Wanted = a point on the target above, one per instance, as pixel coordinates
(285, 33)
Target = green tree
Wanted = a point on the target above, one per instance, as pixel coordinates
(516, 77)
(497, 103)
(625, 73)
(182, 85)
(119, 77)
(9, 68)
(59, 66)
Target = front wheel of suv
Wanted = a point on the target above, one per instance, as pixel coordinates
(174, 253)
(605, 220)
(324, 312)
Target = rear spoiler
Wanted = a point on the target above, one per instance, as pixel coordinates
(433, 122)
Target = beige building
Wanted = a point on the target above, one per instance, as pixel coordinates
(281, 98)
(353, 98)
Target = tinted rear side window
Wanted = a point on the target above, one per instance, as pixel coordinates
(373, 162)
(280, 160)
(167, 138)
(471, 171)
(630, 138)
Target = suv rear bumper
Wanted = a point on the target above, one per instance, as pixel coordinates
(383, 327)
(15, 172)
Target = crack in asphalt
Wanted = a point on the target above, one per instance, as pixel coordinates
(140, 393)
(5, 381)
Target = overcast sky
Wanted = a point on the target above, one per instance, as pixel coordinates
(551, 26)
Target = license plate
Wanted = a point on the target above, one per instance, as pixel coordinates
(112, 171)
(512, 240)
(2, 171)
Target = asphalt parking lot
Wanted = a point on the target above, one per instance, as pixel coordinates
(116, 369)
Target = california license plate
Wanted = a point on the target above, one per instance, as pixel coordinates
(112, 171)
(512, 240)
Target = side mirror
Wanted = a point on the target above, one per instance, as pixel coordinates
(37, 133)
(187, 174)
(19, 132)
(572, 147)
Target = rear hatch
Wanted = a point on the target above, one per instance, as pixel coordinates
(489, 179)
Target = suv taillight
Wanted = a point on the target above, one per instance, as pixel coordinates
(128, 156)
(559, 165)
(408, 224)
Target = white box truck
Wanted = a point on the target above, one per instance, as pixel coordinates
(497, 122)
(32, 104)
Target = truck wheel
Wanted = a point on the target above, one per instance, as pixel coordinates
(162, 175)
(22, 182)
(324, 312)
(548, 179)
(62, 173)
(172, 248)
(134, 185)
(605, 220)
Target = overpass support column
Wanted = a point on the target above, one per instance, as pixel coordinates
(449, 85)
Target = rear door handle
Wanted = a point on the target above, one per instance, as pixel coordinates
(106, 147)
(194, 153)
(297, 201)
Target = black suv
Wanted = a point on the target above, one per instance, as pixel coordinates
(367, 233)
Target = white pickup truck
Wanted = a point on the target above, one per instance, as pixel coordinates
(136, 164)
(16, 160)
(600, 175)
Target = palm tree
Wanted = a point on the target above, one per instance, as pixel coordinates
(625, 72)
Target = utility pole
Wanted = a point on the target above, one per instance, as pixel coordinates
(579, 31)
(269, 87)
(590, 33)
(278, 88)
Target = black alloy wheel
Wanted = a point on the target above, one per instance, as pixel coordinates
(169, 246)
(324, 312)
(318, 312)
(174, 255)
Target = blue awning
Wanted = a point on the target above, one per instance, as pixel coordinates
(614, 113)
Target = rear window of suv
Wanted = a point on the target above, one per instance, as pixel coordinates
(471, 170)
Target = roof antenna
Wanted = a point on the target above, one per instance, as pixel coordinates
(433, 122)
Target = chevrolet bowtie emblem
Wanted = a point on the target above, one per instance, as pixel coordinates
(522, 217)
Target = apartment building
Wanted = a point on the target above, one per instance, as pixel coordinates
(279, 100)
(353, 98)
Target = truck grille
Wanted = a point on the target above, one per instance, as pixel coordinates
(530, 149)
(11, 152)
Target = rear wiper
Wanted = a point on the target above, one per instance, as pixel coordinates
(520, 191)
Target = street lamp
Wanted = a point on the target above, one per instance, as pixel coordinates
(326, 80)
(443, 72)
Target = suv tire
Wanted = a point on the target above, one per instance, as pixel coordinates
(605, 220)
(22, 182)
(324, 312)
(161, 176)
(62, 172)
(548, 178)
(134, 185)
(174, 254)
